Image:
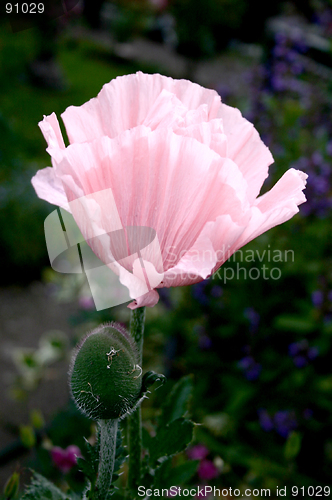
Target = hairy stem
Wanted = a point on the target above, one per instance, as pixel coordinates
(108, 433)
(134, 420)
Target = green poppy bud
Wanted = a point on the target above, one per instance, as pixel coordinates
(104, 377)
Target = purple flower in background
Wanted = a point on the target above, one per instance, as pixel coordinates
(203, 295)
(216, 291)
(198, 452)
(302, 353)
(265, 420)
(284, 422)
(285, 65)
(312, 352)
(300, 361)
(207, 470)
(324, 19)
(199, 292)
(253, 317)
(319, 184)
(65, 459)
(307, 414)
(86, 302)
(251, 369)
(204, 342)
(165, 297)
(329, 148)
(317, 158)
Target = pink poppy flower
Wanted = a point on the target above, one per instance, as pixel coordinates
(168, 156)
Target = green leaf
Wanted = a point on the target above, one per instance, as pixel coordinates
(146, 439)
(167, 476)
(177, 402)
(27, 436)
(171, 439)
(184, 472)
(295, 323)
(42, 489)
(89, 465)
(293, 445)
(86, 468)
(92, 453)
(71, 495)
(120, 454)
(162, 474)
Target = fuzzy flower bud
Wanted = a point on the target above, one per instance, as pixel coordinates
(104, 377)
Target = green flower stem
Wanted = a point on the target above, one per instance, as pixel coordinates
(108, 432)
(135, 420)
(137, 329)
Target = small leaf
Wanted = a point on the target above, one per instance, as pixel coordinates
(171, 439)
(37, 419)
(294, 323)
(167, 476)
(92, 454)
(146, 438)
(86, 468)
(293, 445)
(184, 472)
(162, 474)
(27, 436)
(120, 454)
(89, 465)
(177, 402)
(42, 489)
(71, 495)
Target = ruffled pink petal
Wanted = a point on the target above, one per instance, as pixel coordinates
(194, 116)
(122, 104)
(246, 149)
(49, 188)
(51, 131)
(276, 206)
(288, 190)
(195, 265)
(208, 133)
(211, 249)
(146, 272)
(150, 299)
(167, 111)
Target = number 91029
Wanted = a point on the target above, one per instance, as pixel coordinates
(25, 8)
(311, 491)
